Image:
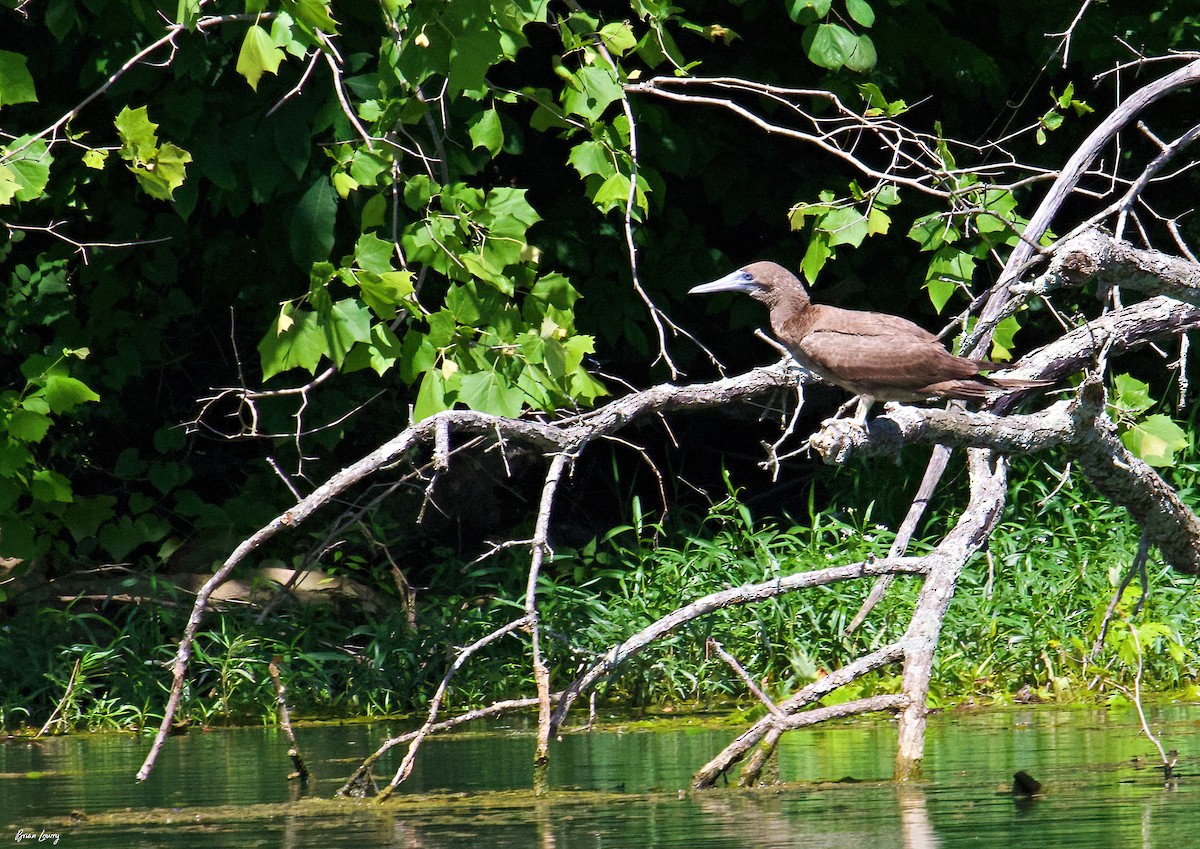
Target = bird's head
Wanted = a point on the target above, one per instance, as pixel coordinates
(768, 282)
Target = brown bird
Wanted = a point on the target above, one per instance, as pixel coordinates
(874, 355)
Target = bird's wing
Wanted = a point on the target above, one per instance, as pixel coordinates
(880, 355)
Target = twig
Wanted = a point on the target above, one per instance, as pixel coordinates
(67, 693)
(747, 594)
(1067, 34)
(426, 728)
(359, 782)
(285, 722)
(1168, 763)
(1137, 567)
(755, 690)
(541, 672)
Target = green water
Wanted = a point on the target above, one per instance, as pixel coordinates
(618, 790)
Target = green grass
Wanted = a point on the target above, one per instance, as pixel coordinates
(1022, 622)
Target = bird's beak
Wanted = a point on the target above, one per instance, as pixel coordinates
(738, 281)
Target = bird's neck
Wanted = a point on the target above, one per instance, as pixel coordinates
(791, 313)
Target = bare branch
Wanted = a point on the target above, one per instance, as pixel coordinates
(747, 594)
(1070, 175)
(463, 655)
(739, 670)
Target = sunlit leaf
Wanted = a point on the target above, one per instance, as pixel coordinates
(486, 131)
(16, 83)
(64, 393)
(1156, 439)
(815, 256)
(490, 392)
(28, 169)
(259, 55)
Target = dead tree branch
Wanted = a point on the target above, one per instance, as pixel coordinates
(358, 785)
(567, 436)
(462, 657)
(916, 648)
(1170, 525)
(1069, 177)
(747, 594)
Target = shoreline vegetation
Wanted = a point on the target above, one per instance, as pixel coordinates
(1024, 627)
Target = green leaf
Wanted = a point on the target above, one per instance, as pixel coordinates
(313, 14)
(801, 212)
(297, 340)
(486, 131)
(65, 393)
(845, 226)
(828, 45)
(1131, 395)
(259, 55)
(165, 173)
(311, 234)
(159, 170)
(1000, 217)
(28, 425)
(618, 37)
(1156, 440)
(347, 322)
(932, 232)
(25, 173)
(16, 83)
(576, 348)
(433, 396)
(417, 355)
(878, 221)
(613, 193)
(1002, 339)
(1064, 100)
(95, 159)
(372, 253)
(48, 486)
(168, 476)
(807, 11)
(592, 157)
(815, 256)
(8, 185)
(940, 292)
(863, 57)
(366, 168)
(861, 12)
(593, 90)
(383, 293)
(948, 270)
(85, 516)
(472, 55)
(489, 392)
(380, 354)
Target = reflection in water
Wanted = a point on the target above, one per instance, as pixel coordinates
(614, 790)
(916, 830)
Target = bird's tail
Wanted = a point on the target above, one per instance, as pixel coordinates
(1011, 384)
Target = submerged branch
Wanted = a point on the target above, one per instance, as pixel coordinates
(747, 594)
(359, 783)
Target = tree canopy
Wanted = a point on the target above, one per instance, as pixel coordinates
(303, 223)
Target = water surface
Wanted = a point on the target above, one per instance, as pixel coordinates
(621, 788)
